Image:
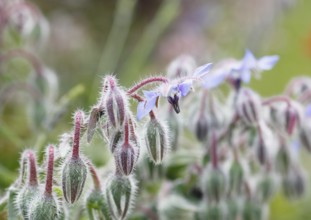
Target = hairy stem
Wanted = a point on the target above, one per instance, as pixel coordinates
(146, 82)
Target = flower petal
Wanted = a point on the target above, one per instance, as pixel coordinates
(267, 62)
(150, 94)
(308, 111)
(249, 60)
(185, 87)
(144, 107)
(202, 70)
(213, 80)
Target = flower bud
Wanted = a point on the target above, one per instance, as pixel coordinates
(156, 139)
(213, 184)
(261, 151)
(31, 189)
(283, 160)
(114, 141)
(44, 207)
(265, 188)
(92, 123)
(97, 206)
(73, 178)
(294, 185)
(125, 157)
(252, 210)
(201, 127)
(174, 128)
(248, 106)
(120, 195)
(115, 103)
(215, 211)
(236, 175)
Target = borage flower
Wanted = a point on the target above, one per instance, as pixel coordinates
(249, 63)
(173, 91)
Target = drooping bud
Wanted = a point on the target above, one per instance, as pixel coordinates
(74, 170)
(213, 184)
(95, 203)
(201, 127)
(266, 187)
(126, 153)
(248, 106)
(294, 185)
(261, 151)
(236, 175)
(252, 210)
(120, 195)
(283, 160)
(215, 211)
(174, 128)
(115, 103)
(45, 205)
(73, 179)
(95, 114)
(114, 141)
(26, 195)
(156, 139)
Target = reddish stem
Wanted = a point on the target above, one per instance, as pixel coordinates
(95, 178)
(126, 133)
(76, 137)
(49, 173)
(33, 181)
(146, 82)
(277, 99)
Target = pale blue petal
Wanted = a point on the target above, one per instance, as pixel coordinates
(185, 87)
(267, 62)
(249, 60)
(213, 80)
(144, 107)
(308, 111)
(150, 94)
(202, 70)
(246, 75)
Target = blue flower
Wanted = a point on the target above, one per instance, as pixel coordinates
(249, 63)
(172, 91)
(308, 111)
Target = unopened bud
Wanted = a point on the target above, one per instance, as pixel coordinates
(125, 157)
(174, 128)
(156, 139)
(92, 123)
(236, 175)
(261, 151)
(213, 184)
(248, 106)
(283, 160)
(294, 185)
(215, 211)
(252, 210)
(44, 207)
(120, 195)
(201, 127)
(266, 188)
(73, 178)
(97, 206)
(115, 139)
(115, 104)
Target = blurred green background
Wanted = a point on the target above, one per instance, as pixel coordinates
(134, 38)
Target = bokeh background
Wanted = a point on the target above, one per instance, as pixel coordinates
(134, 38)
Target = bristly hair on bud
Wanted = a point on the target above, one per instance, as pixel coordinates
(156, 140)
(248, 106)
(126, 153)
(115, 103)
(74, 171)
(120, 195)
(29, 191)
(45, 206)
(95, 115)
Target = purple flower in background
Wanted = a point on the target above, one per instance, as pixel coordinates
(249, 63)
(173, 91)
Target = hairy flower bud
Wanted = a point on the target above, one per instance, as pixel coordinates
(265, 188)
(174, 128)
(252, 210)
(248, 106)
(114, 140)
(73, 178)
(283, 160)
(201, 127)
(96, 205)
(120, 195)
(115, 103)
(44, 207)
(215, 211)
(31, 189)
(156, 139)
(125, 157)
(213, 184)
(236, 175)
(261, 151)
(294, 185)
(95, 114)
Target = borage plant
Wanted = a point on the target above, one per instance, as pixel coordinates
(222, 157)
